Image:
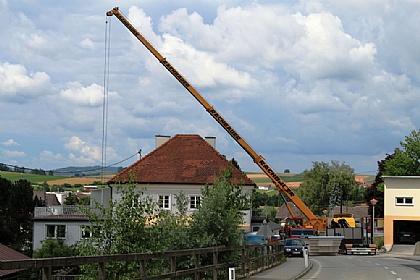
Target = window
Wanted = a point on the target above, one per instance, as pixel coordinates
(194, 201)
(164, 201)
(88, 231)
(403, 201)
(56, 231)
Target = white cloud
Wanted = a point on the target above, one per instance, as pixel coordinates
(16, 84)
(13, 154)
(10, 142)
(301, 81)
(91, 95)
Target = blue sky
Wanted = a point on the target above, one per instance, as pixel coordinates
(301, 81)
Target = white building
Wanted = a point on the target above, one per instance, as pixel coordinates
(183, 163)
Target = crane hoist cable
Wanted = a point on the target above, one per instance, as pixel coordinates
(107, 48)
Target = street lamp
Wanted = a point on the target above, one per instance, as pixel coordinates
(373, 201)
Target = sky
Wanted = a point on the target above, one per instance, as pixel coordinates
(300, 81)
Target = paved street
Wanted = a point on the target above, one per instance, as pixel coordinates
(398, 264)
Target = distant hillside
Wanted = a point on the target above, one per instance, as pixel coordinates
(80, 171)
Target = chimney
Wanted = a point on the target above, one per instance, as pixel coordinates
(211, 141)
(161, 139)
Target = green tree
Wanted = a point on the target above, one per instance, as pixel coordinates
(406, 160)
(219, 216)
(327, 185)
(235, 163)
(16, 208)
(126, 226)
(71, 200)
(52, 248)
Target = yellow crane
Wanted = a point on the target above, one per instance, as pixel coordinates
(319, 224)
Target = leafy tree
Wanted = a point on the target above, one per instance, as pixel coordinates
(218, 218)
(71, 200)
(52, 248)
(16, 208)
(327, 185)
(126, 226)
(406, 160)
(235, 163)
(269, 212)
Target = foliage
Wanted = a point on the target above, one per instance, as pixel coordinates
(327, 185)
(269, 212)
(264, 199)
(126, 226)
(134, 224)
(235, 163)
(52, 248)
(71, 199)
(16, 208)
(4, 167)
(218, 218)
(406, 160)
(38, 171)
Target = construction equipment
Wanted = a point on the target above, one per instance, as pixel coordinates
(319, 224)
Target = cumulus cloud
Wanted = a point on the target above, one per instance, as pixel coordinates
(90, 96)
(17, 85)
(82, 151)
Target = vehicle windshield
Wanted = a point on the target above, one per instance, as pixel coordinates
(293, 242)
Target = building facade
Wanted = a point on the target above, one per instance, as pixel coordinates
(401, 209)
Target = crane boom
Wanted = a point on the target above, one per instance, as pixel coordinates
(317, 223)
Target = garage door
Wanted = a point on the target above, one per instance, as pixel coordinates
(406, 231)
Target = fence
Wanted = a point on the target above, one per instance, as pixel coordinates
(208, 263)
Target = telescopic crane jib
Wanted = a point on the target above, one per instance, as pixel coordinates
(319, 224)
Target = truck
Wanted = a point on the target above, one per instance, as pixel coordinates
(319, 224)
(355, 242)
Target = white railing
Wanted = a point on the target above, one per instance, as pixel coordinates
(65, 210)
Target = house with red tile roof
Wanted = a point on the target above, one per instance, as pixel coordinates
(184, 163)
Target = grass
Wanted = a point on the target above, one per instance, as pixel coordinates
(33, 178)
(287, 177)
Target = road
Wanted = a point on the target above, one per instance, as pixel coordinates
(345, 267)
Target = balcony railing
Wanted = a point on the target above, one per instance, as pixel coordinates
(63, 211)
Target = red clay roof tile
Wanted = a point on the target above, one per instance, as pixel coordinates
(183, 159)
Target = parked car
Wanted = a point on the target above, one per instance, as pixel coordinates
(294, 247)
(406, 235)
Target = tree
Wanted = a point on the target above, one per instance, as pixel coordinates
(235, 163)
(71, 200)
(327, 185)
(218, 218)
(406, 160)
(126, 226)
(16, 208)
(52, 248)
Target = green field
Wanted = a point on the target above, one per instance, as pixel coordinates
(33, 178)
(287, 177)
